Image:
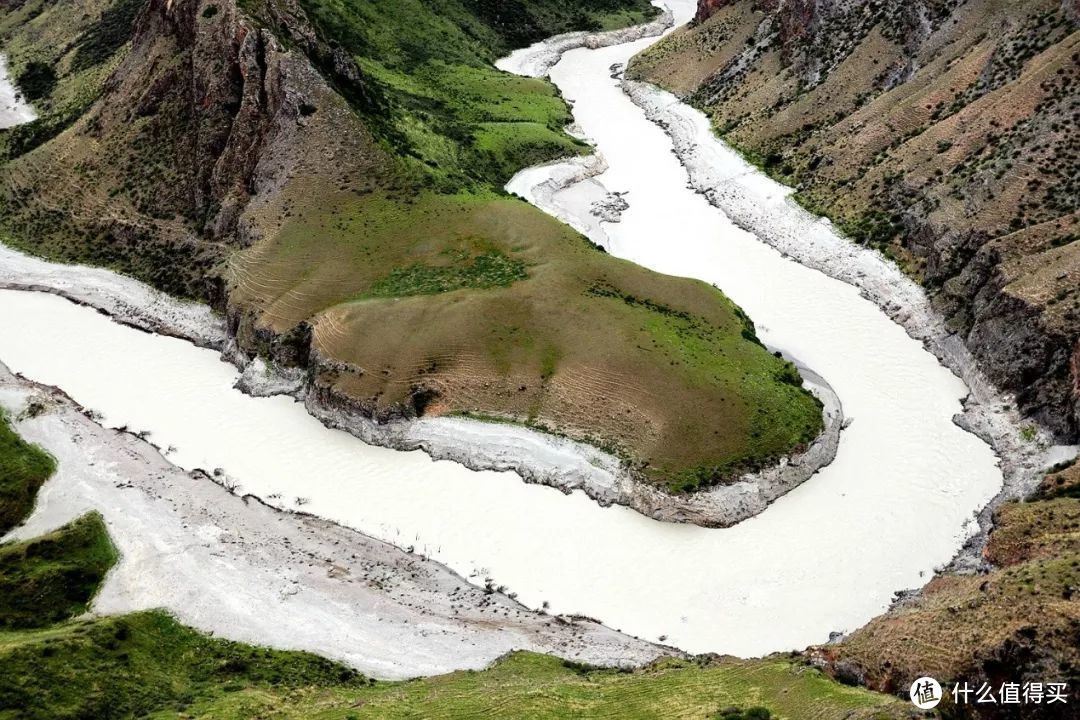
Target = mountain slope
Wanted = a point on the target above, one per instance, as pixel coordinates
(329, 175)
(941, 132)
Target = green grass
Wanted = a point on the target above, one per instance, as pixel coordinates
(466, 300)
(707, 355)
(148, 665)
(53, 577)
(551, 332)
(142, 664)
(23, 469)
(488, 270)
(471, 126)
(526, 685)
(458, 121)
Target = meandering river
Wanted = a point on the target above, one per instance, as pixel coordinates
(898, 500)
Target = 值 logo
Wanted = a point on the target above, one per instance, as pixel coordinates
(925, 693)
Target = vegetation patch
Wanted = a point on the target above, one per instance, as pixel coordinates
(491, 269)
(781, 412)
(23, 469)
(36, 81)
(53, 577)
(455, 119)
(147, 664)
(105, 37)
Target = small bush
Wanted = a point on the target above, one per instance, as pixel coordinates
(754, 713)
(36, 81)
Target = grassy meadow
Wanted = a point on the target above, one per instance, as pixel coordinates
(23, 469)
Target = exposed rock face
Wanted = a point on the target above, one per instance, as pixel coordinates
(206, 113)
(219, 103)
(934, 130)
(706, 8)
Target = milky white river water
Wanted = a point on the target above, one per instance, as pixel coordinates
(898, 500)
(13, 109)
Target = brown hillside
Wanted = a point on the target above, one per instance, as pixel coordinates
(940, 131)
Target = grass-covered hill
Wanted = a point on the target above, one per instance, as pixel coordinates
(329, 174)
(942, 132)
(58, 663)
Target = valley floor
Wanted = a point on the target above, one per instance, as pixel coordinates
(155, 667)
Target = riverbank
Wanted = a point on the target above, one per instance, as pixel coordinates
(228, 564)
(538, 59)
(124, 299)
(759, 205)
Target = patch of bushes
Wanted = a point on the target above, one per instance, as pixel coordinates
(489, 270)
(733, 713)
(873, 227)
(36, 81)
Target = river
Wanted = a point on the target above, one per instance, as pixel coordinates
(898, 500)
(14, 110)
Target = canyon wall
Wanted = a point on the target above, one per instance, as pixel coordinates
(941, 132)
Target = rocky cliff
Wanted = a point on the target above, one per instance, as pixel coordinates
(204, 112)
(941, 132)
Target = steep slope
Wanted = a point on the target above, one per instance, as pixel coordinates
(941, 132)
(1019, 622)
(328, 175)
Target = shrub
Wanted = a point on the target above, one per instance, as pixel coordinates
(36, 81)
